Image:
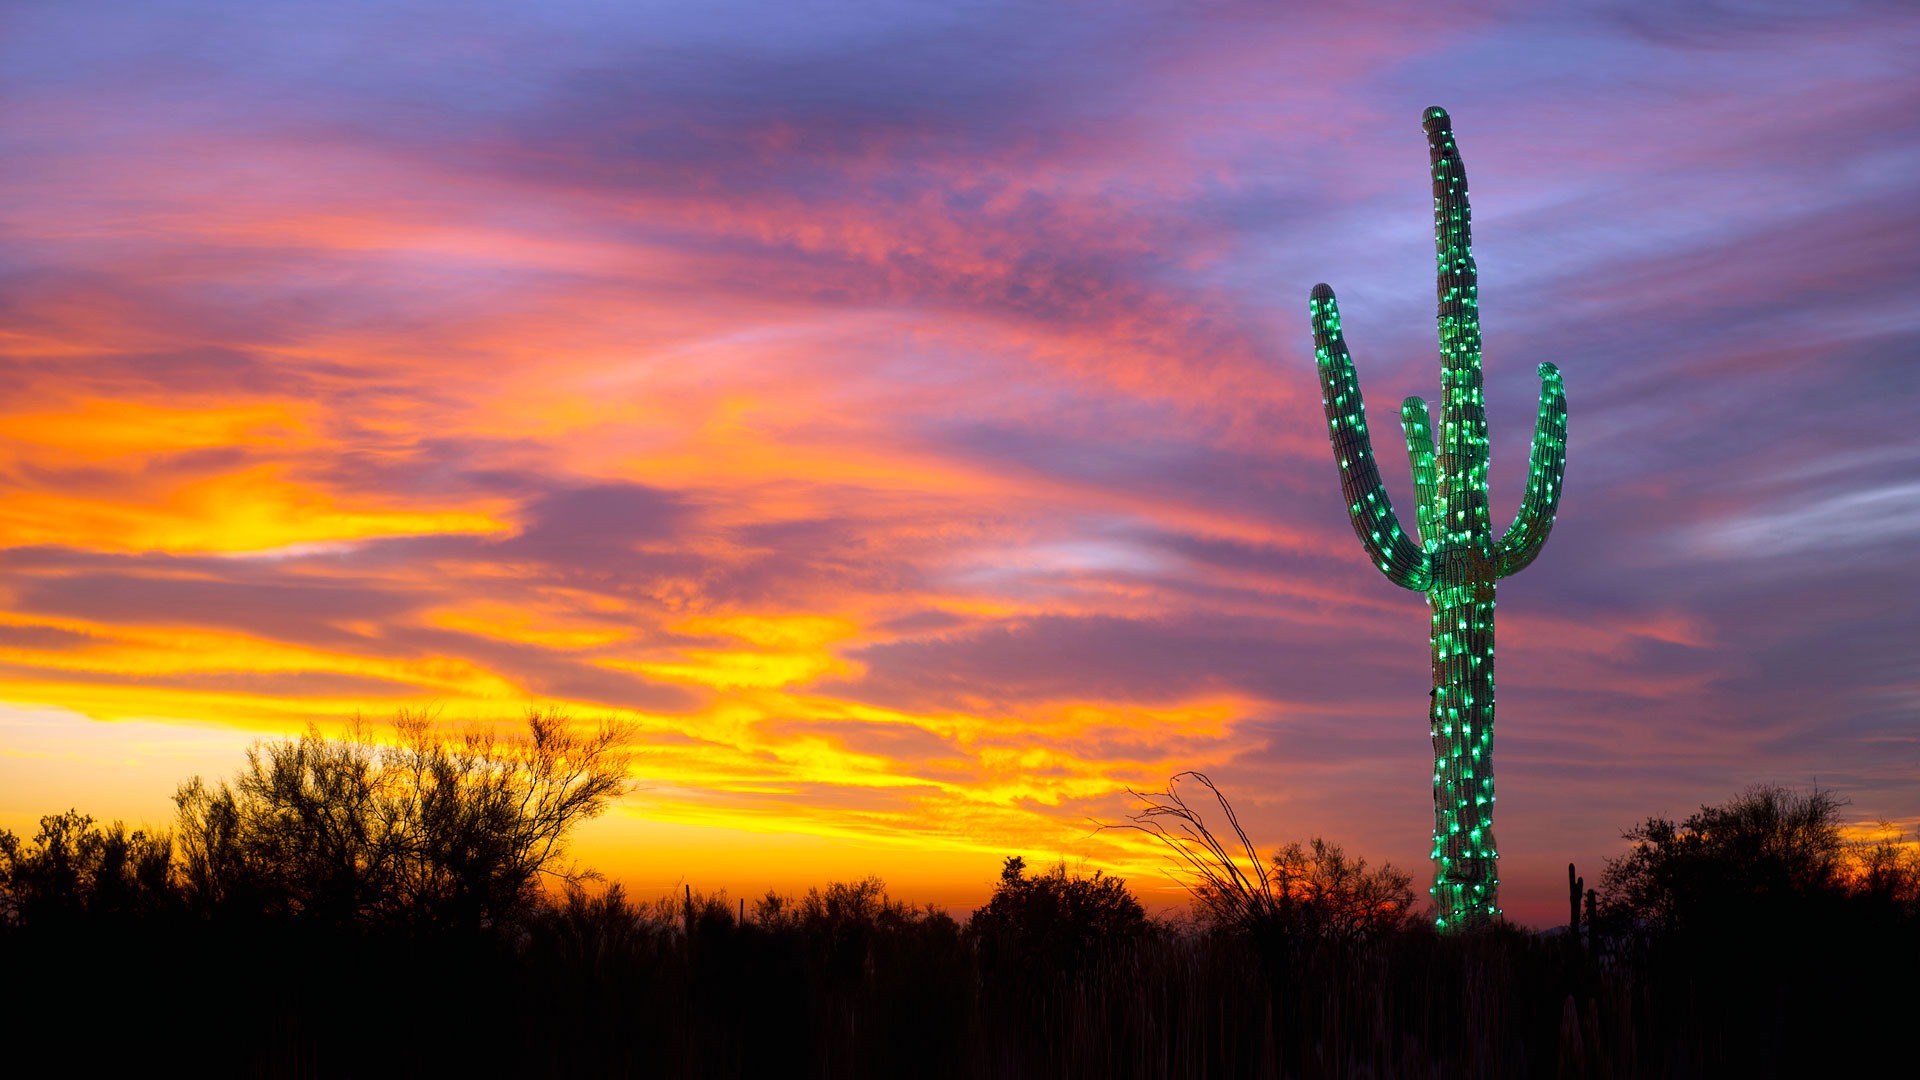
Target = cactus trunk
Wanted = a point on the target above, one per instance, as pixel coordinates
(1456, 561)
(1465, 876)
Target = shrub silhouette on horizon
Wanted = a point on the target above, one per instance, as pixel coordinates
(843, 908)
(1768, 853)
(74, 868)
(1329, 895)
(1886, 873)
(1055, 919)
(425, 829)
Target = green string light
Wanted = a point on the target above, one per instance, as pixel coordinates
(1455, 562)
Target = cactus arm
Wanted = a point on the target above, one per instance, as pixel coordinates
(1396, 554)
(1546, 468)
(1426, 475)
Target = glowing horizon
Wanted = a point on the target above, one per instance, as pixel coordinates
(909, 421)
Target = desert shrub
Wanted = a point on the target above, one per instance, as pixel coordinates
(1054, 920)
(74, 868)
(424, 830)
(1323, 893)
(1764, 854)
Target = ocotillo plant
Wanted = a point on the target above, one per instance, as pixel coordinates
(1455, 560)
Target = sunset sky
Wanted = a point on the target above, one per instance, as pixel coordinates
(906, 414)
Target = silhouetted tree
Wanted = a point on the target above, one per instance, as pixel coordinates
(841, 923)
(72, 868)
(597, 933)
(847, 914)
(1328, 895)
(1886, 872)
(1054, 920)
(844, 904)
(1766, 850)
(425, 829)
(775, 910)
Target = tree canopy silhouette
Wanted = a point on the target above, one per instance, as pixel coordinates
(1055, 919)
(1764, 850)
(72, 868)
(425, 829)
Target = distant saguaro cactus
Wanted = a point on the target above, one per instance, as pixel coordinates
(1575, 884)
(1455, 560)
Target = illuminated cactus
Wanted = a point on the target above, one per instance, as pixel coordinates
(1455, 560)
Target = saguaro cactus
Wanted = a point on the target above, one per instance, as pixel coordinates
(1455, 559)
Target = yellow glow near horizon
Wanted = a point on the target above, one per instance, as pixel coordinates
(700, 831)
